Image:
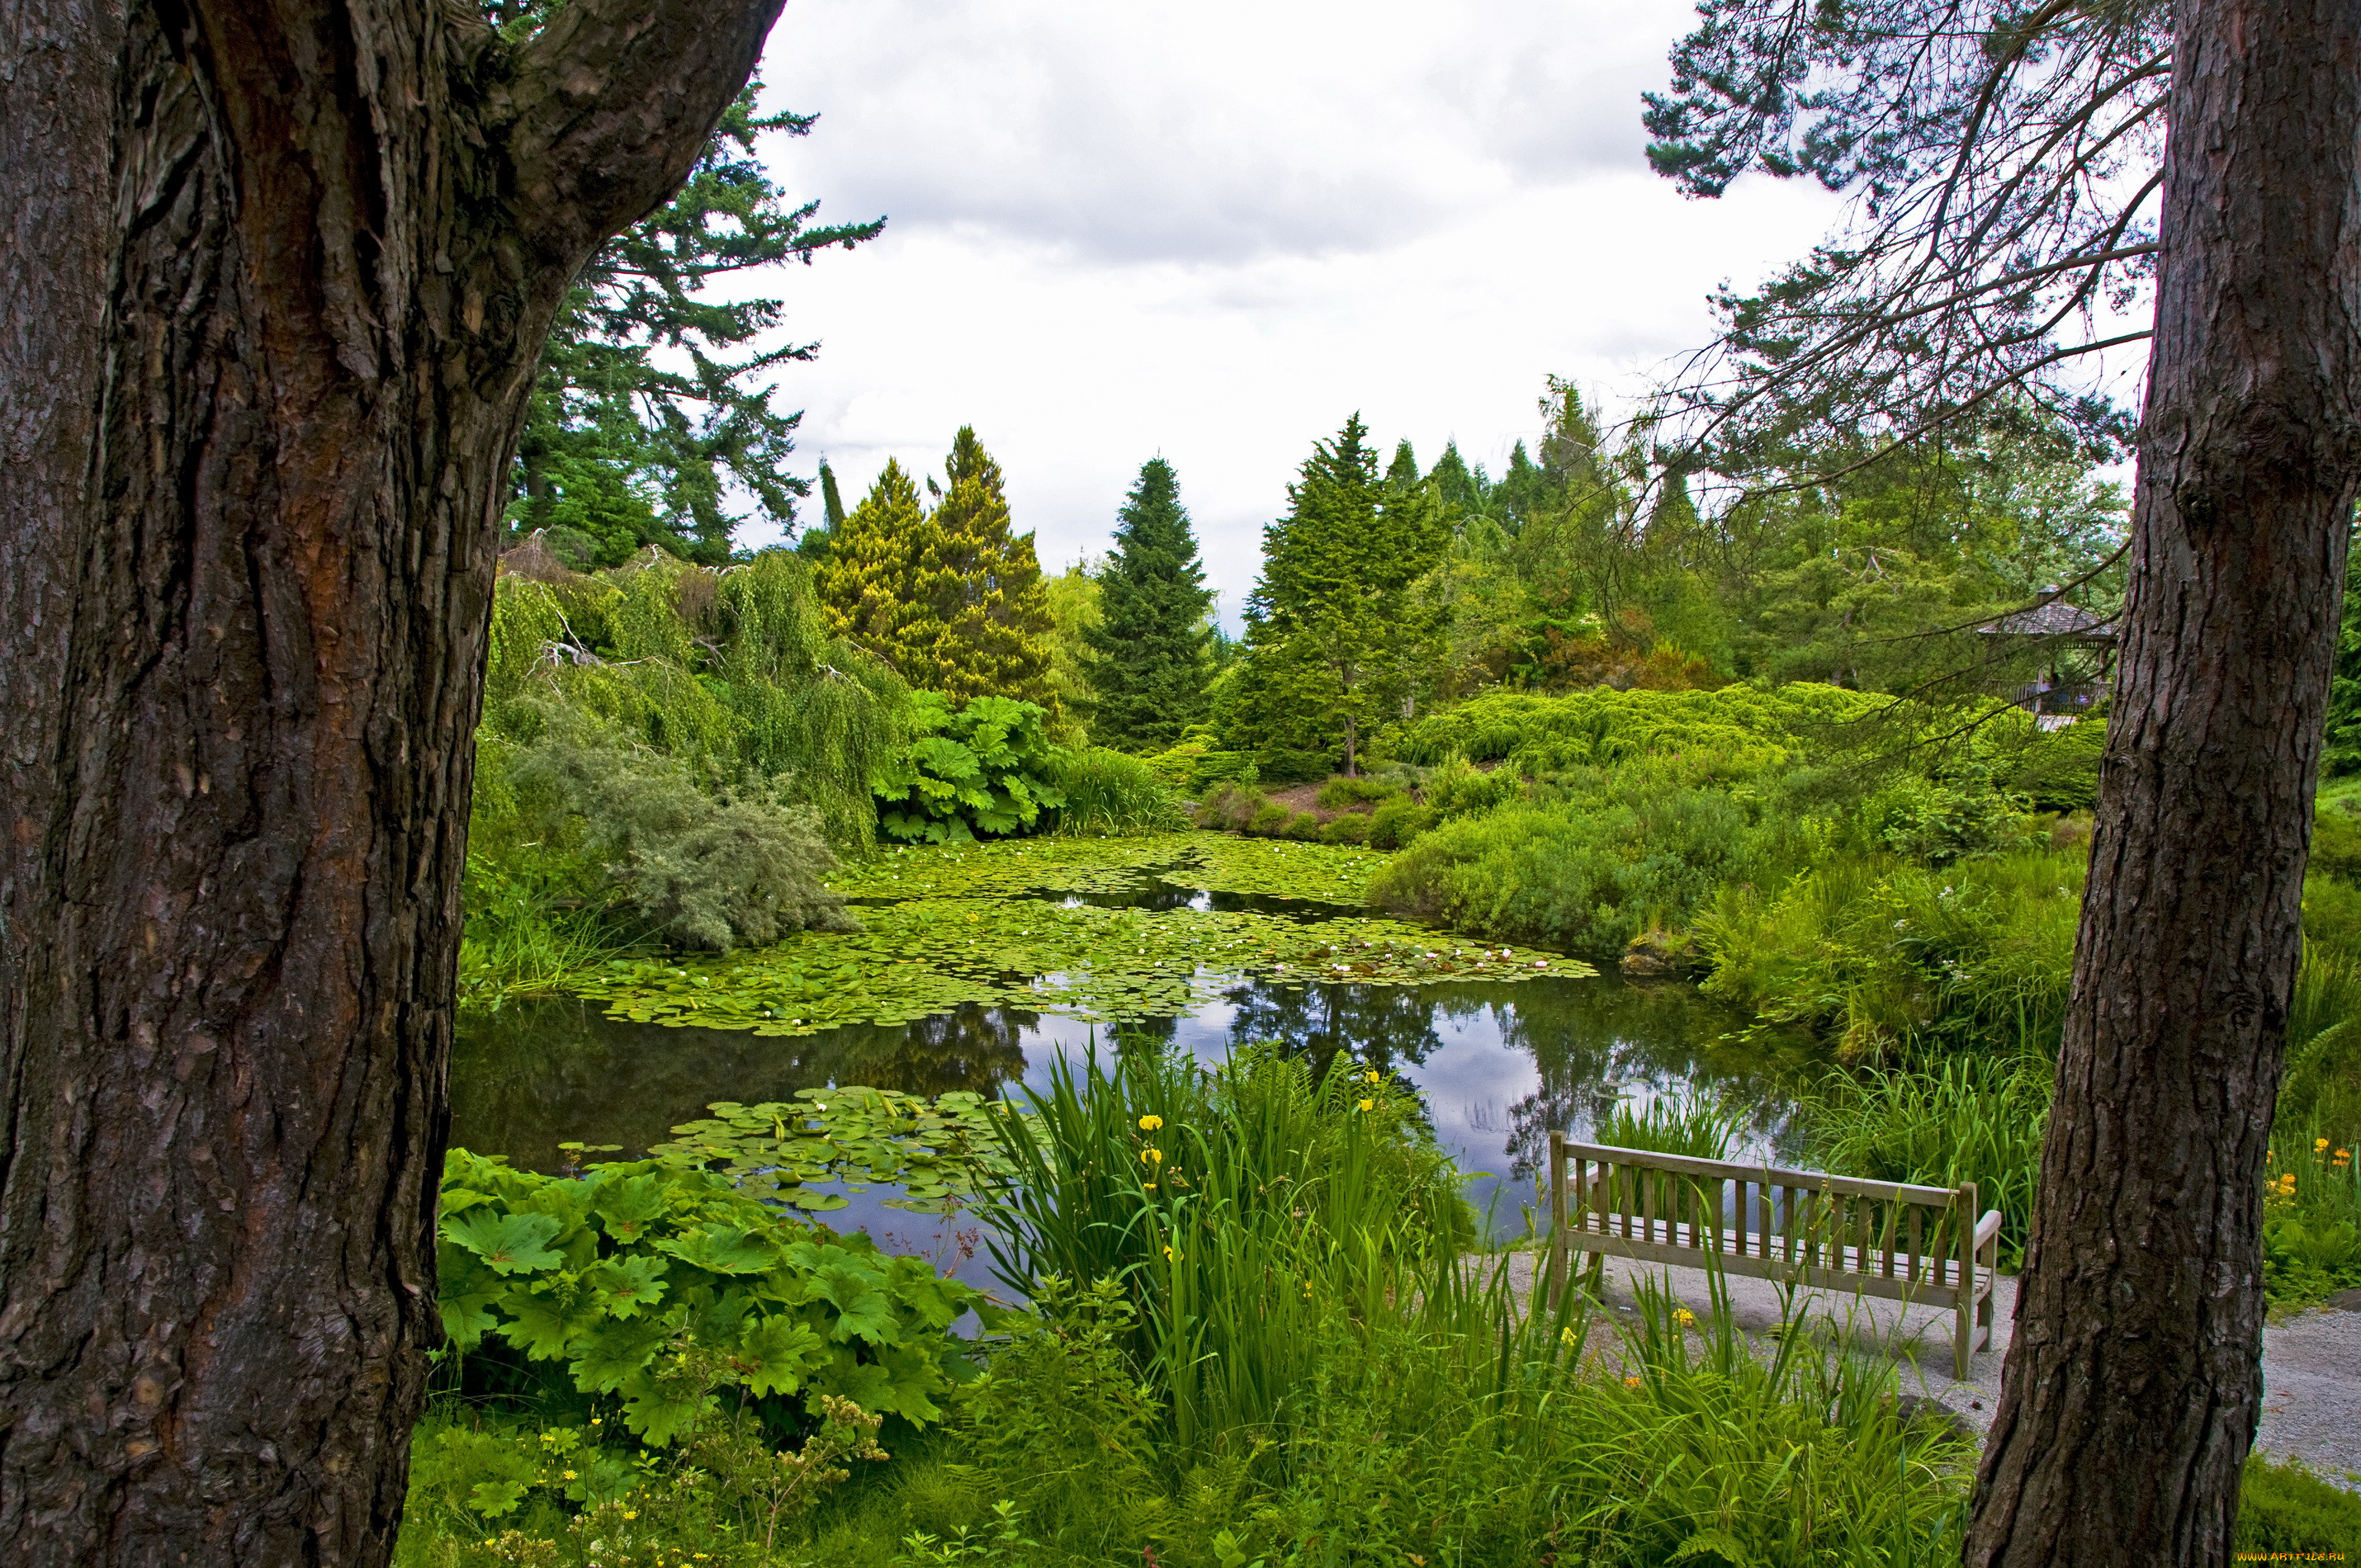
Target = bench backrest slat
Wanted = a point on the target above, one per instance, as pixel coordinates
(1806, 1181)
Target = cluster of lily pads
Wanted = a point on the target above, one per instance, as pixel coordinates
(1211, 862)
(955, 925)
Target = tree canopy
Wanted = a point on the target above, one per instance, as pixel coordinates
(652, 415)
(1149, 662)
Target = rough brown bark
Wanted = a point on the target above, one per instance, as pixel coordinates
(278, 274)
(2131, 1390)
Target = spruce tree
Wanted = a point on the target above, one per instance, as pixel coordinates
(1333, 633)
(1150, 656)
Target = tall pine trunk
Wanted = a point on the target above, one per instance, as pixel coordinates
(2132, 1385)
(278, 275)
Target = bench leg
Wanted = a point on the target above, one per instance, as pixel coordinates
(1960, 1342)
(1984, 1321)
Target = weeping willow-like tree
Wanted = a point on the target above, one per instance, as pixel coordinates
(729, 672)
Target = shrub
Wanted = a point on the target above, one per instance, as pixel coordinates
(703, 869)
(1582, 876)
(1342, 794)
(1303, 824)
(1231, 806)
(1350, 828)
(1107, 792)
(1270, 817)
(1459, 789)
(1746, 729)
(2057, 770)
(984, 770)
(2336, 843)
(1398, 822)
(2282, 1506)
(1940, 822)
(1283, 767)
(1197, 765)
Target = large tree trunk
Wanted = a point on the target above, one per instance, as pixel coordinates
(2131, 1390)
(277, 280)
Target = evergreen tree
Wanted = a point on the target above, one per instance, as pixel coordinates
(1150, 655)
(868, 582)
(987, 589)
(950, 598)
(1334, 637)
(619, 452)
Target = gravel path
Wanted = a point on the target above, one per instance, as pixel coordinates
(2312, 1362)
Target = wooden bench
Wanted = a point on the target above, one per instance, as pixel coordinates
(1873, 1238)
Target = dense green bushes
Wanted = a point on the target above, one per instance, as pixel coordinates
(1585, 876)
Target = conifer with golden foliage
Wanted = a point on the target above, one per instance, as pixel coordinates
(951, 599)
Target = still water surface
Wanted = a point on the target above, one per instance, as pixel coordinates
(1498, 1065)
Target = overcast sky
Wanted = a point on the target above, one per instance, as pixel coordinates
(1211, 231)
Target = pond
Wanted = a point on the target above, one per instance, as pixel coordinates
(1501, 1048)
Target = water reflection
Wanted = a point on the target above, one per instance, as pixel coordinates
(1498, 1065)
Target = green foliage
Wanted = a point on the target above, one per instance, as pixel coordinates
(1239, 1208)
(2312, 1214)
(1398, 822)
(1343, 794)
(1585, 875)
(485, 1490)
(1938, 1122)
(922, 957)
(616, 1278)
(1736, 732)
(1702, 1129)
(1940, 821)
(623, 444)
(1149, 664)
(1107, 792)
(1879, 952)
(2284, 1507)
(726, 672)
(1333, 632)
(1195, 765)
(952, 599)
(984, 770)
(1458, 789)
(702, 869)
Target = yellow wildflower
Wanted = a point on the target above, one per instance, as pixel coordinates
(1565, 1336)
(1152, 1156)
(569, 1474)
(1150, 1123)
(1683, 1317)
(1376, 1077)
(1631, 1382)
(1369, 1104)
(2318, 1144)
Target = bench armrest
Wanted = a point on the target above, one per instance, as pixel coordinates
(1987, 1231)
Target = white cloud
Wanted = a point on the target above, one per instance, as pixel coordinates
(1214, 230)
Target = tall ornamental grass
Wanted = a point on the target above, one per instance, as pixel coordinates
(1240, 1208)
(1109, 793)
(1941, 1121)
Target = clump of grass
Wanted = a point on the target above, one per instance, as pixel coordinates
(1109, 793)
(1238, 1207)
(1701, 1129)
(1939, 1122)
